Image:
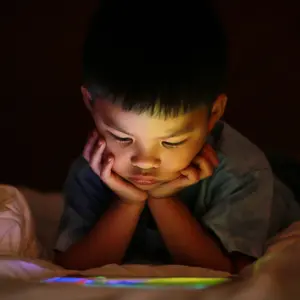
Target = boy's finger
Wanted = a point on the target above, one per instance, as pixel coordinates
(95, 160)
(89, 147)
(210, 154)
(128, 192)
(191, 174)
(123, 189)
(174, 185)
(106, 168)
(206, 168)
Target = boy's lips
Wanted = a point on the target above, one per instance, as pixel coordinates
(143, 180)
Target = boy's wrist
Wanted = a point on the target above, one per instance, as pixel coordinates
(126, 202)
(152, 199)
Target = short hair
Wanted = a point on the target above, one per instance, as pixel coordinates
(160, 57)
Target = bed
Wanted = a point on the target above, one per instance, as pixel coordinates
(24, 264)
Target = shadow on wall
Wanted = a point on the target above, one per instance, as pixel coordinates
(43, 121)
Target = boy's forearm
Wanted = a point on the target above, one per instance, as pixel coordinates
(107, 242)
(185, 238)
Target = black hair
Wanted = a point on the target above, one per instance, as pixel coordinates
(156, 56)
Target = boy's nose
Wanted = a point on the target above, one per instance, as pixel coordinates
(145, 163)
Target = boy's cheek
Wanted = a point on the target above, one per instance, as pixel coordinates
(186, 159)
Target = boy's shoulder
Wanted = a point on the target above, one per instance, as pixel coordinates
(237, 153)
(243, 171)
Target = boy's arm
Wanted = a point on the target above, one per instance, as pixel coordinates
(186, 239)
(107, 242)
(94, 229)
(238, 213)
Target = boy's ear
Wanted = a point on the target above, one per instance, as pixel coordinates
(217, 111)
(87, 98)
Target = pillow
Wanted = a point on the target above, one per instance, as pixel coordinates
(46, 209)
(17, 233)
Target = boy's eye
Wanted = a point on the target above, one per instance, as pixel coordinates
(173, 145)
(120, 139)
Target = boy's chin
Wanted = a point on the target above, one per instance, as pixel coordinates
(146, 187)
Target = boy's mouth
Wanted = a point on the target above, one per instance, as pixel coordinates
(143, 180)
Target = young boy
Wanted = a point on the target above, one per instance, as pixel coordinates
(161, 179)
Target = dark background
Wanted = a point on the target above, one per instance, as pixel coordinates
(43, 121)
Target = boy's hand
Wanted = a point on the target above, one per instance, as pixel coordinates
(93, 153)
(202, 167)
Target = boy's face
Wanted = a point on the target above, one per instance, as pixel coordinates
(149, 151)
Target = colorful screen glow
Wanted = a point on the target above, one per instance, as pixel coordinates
(148, 283)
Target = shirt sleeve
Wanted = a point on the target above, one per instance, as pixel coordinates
(239, 209)
(86, 199)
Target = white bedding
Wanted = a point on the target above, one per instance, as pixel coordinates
(24, 212)
(35, 269)
(32, 291)
(23, 257)
(277, 276)
(276, 279)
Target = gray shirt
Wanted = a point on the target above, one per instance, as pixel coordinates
(242, 205)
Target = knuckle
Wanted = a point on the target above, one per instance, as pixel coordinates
(195, 176)
(96, 171)
(207, 173)
(104, 176)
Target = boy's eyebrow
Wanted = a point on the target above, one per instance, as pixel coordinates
(112, 125)
(181, 131)
(187, 129)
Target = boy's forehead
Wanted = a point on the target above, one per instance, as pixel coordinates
(113, 115)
